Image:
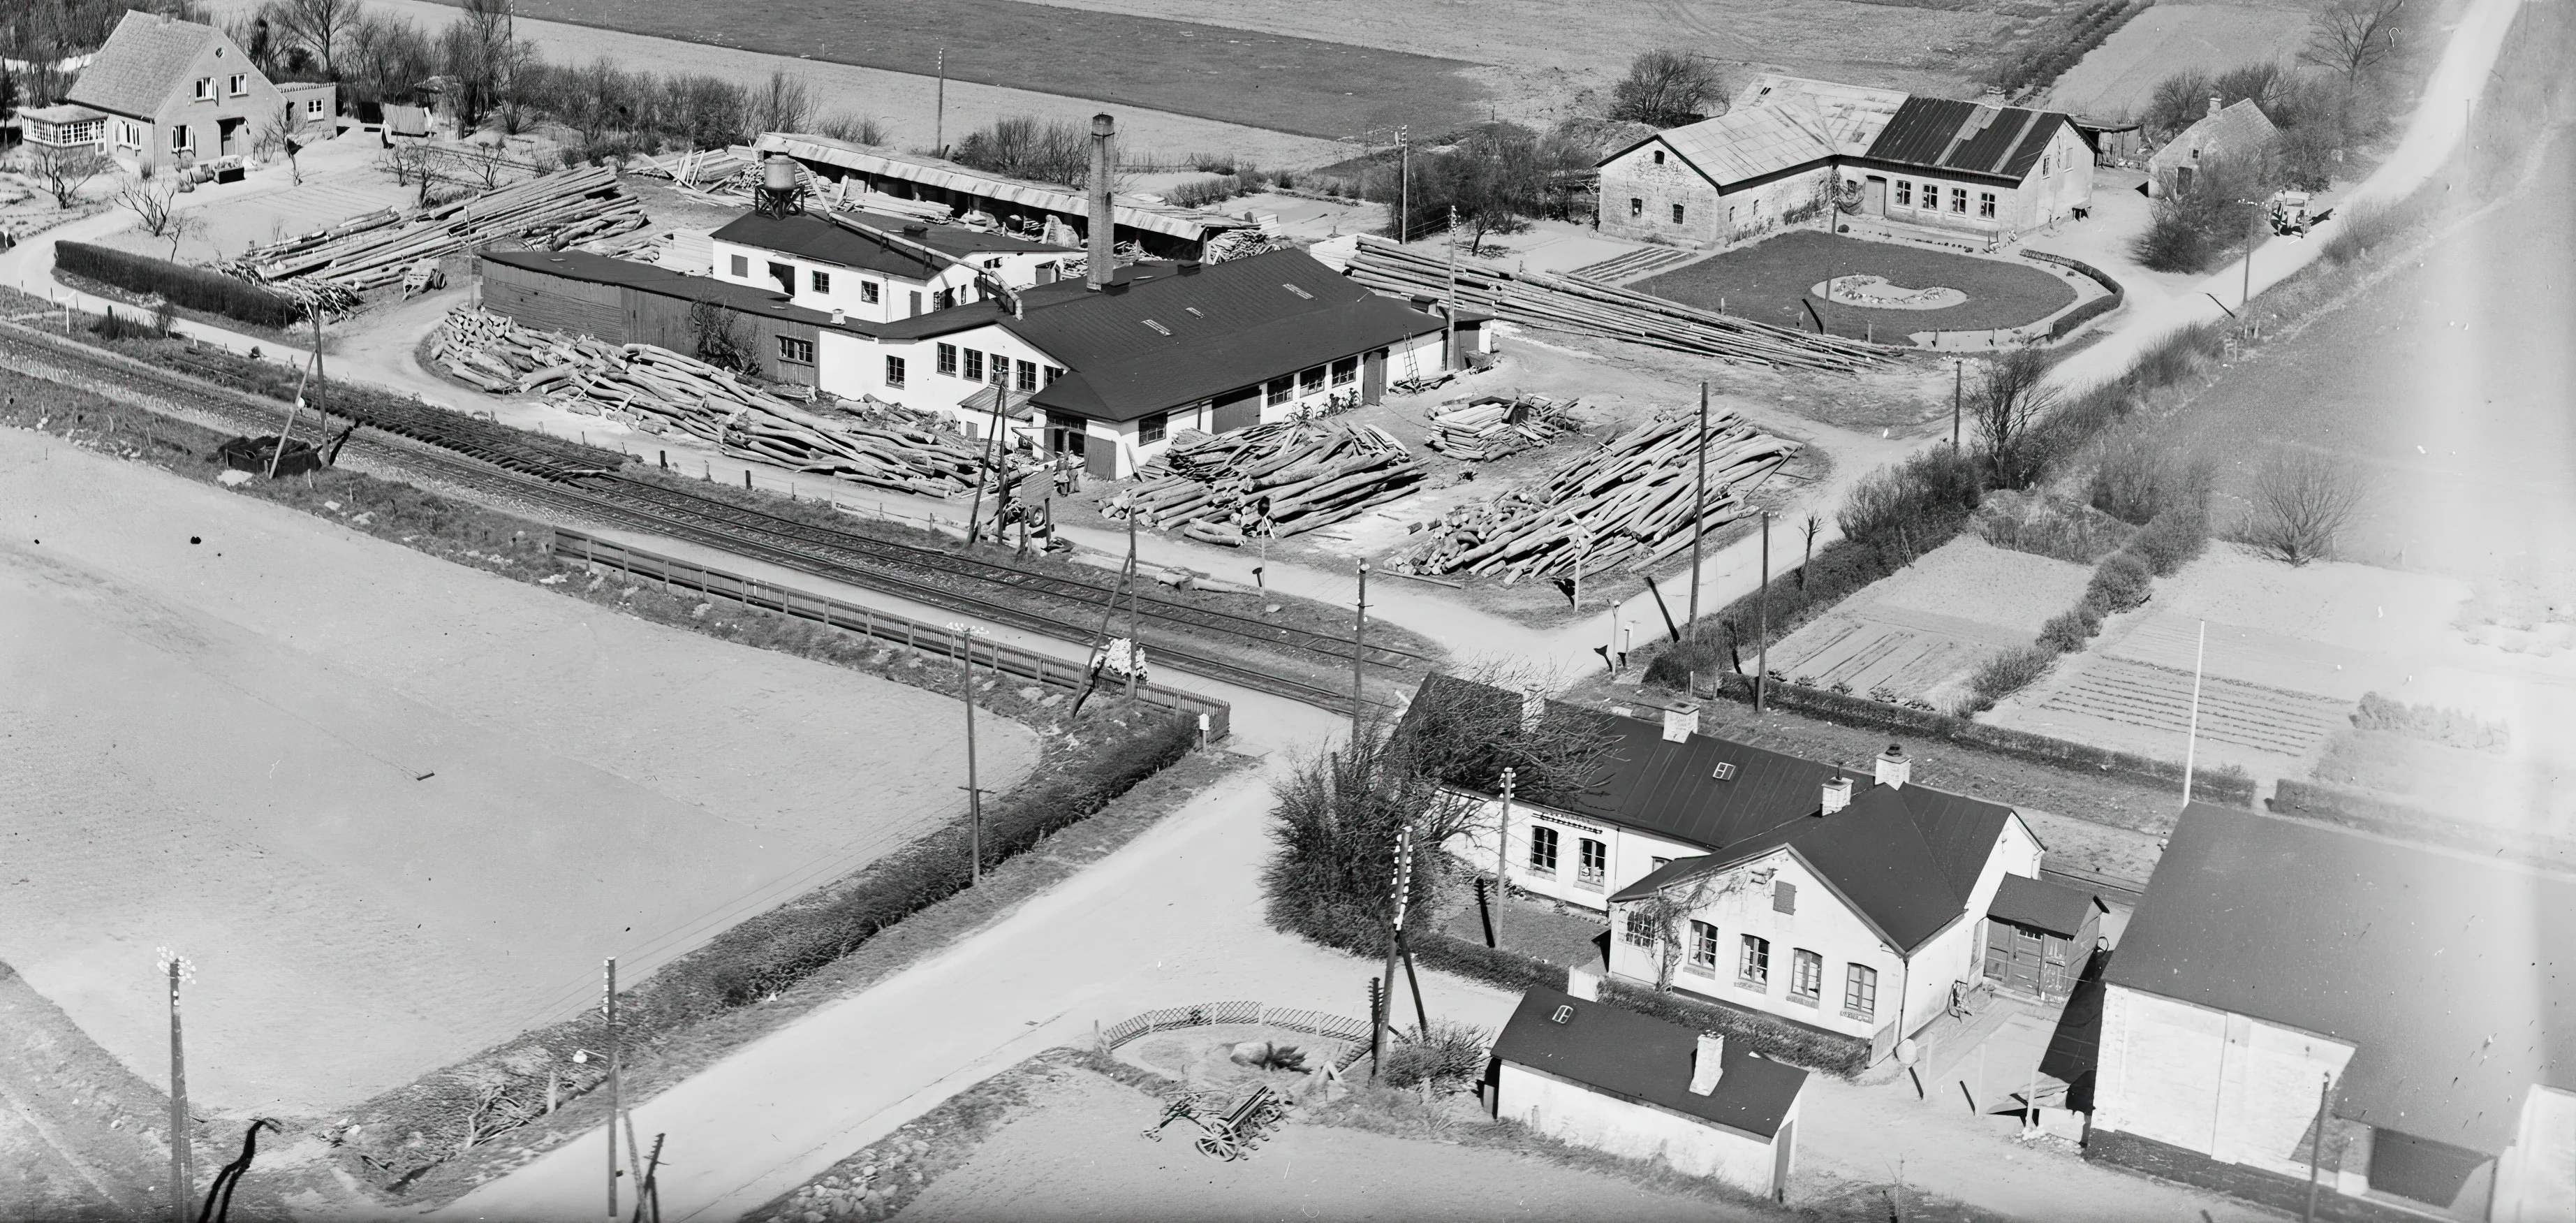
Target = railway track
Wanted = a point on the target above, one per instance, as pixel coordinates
(525, 473)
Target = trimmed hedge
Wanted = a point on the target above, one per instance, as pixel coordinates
(193, 287)
(1771, 1036)
(2089, 311)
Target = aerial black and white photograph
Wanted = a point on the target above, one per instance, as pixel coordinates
(1288, 611)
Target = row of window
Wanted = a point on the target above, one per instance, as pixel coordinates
(238, 84)
(1753, 967)
(1932, 198)
(971, 364)
(1637, 209)
(817, 280)
(1339, 374)
(1592, 858)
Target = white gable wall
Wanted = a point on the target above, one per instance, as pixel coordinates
(2230, 1087)
(1632, 854)
(1585, 1117)
(1821, 923)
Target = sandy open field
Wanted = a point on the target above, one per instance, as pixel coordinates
(2118, 77)
(1920, 633)
(393, 809)
(1077, 1156)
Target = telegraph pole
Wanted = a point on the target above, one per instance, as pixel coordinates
(1399, 881)
(1503, 839)
(1135, 647)
(183, 1172)
(1403, 190)
(1958, 394)
(1359, 653)
(939, 109)
(616, 1083)
(974, 794)
(1762, 651)
(1699, 505)
(1449, 340)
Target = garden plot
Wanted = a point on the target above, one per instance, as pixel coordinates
(393, 809)
(1916, 636)
(2117, 78)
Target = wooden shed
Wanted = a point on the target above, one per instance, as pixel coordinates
(2038, 935)
(624, 302)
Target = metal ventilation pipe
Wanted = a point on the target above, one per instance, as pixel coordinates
(1103, 258)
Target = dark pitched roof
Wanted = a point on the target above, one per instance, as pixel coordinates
(2043, 905)
(1641, 1058)
(2453, 976)
(1674, 789)
(818, 239)
(1906, 860)
(603, 269)
(1966, 137)
(142, 63)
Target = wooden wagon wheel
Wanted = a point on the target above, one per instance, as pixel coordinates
(1220, 1142)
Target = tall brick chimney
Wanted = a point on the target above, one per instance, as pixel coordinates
(1103, 259)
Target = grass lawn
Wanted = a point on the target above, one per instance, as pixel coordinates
(1288, 84)
(1768, 282)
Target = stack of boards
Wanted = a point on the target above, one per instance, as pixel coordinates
(1277, 479)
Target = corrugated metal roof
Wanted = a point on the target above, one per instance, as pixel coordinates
(1747, 144)
(144, 61)
(1647, 1059)
(1171, 222)
(1966, 137)
(1852, 115)
(2453, 976)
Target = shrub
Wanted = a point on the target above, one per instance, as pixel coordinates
(2136, 477)
(2431, 723)
(2007, 673)
(1450, 1057)
(2044, 526)
(2119, 583)
(1914, 506)
(2181, 354)
(1668, 89)
(2067, 631)
(192, 287)
(857, 129)
(114, 326)
(2172, 539)
(2302, 501)
(1203, 192)
(2191, 225)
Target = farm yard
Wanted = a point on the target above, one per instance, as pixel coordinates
(389, 835)
(1775, 281)
(2117, 78)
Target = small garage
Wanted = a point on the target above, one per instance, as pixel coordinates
(2038, 935)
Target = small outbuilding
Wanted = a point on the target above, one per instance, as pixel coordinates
(1596, 1075)
(2224, 134)
(2038, 935)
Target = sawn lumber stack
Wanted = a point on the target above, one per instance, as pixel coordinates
(1490, 426)
(555, 211)
(1583, 308)
(1629, 501)
(656, 389)
(1282, 478)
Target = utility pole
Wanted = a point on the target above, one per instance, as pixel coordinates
(183, 1171)
(1399, 880)
(616, 1083)
(2245, 296)
(1503, 838)
(1135, 648)
(1699, 504)
(1403, 197)
(1958, 394)
(939, 109)
(974, 793)
(1762, 647)
(1449, 338)
(1359, 652)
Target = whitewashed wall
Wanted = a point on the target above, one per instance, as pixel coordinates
(1585, 1117)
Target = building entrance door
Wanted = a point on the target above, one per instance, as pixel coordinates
(1874, 197)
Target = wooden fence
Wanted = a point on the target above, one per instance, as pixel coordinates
(1208, 1014)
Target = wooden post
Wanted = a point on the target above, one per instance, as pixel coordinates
(616, 1087)
(2191, 735)
(939, 107)
(183, 1173)
(1403, 195)
(1503, 840)
(1449, 335)
(1762, 645)
(1958, 394)
(1397, 879)
(651, 1190)
(1359, 652)
(319, 410)
(974, 796)
(1699, 505)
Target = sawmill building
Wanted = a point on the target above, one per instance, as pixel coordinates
(827, 267)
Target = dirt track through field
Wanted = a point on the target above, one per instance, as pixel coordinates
(393, 809)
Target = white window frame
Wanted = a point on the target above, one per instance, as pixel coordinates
(205, 89)
(1753, 962)
(1543, 857)
(238, 84)
(894, 372)
(1702, 955)
(1806, 976)
(1856, 976)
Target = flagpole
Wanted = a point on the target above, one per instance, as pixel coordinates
(2191, 737)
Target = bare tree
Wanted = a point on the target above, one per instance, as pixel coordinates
(1667, 89)
(322, 27)
(785, 104)
(857, 129)
(2302, 501)
(2354, 36)
(2010, 397)
(155, 205)
(62, 172)
(723, 339)
(1814, 524)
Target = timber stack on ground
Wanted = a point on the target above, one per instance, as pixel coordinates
(566, 208)
(1582, 308)
(1281, 479)
(655, 389)
(1627, 503)
(1490, 426)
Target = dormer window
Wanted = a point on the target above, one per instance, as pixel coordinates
(1659, 157)
(1725, 771)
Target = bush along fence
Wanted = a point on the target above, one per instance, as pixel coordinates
(1210, 1014)
(2124, 580)
(2087, 311)
(181, 285)
(2377, 813)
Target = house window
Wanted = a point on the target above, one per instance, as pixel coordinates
(821, 281)
(1806, 976)
(785, 275)
(205, 88)
(312, 106)
(1677, 214)
(948, 360)
(1593, 865)
(1905, 193)
(1150, 430)
(1753, 963)
(868, 292)
(741, 265)
(1346, 371)
(238, 85)
(974, 365)
(1311, 381)
(1860, 991)
(179, 138)
(1028, 375)
(894, 371)
(1703, 949)
(1659, 157)
(1636, 207)
(1279, 391)
(943, 299)
(1052, 373)
(1986, 204)
(2044, 159)
(1638, 931)
(1784, 897)
(792, 349)
(1542, 857)
(1958, 199)
(1001, 370)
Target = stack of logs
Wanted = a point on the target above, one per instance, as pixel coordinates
(1629, 501)
(1280, 479)
(1490, 426)
(556, 211)
(656, 389)
(1583, 308)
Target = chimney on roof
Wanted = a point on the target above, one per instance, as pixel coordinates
(1895, 768)
(1681, 722)
(2213, 103)
(1103, 259)
(1708, 1063)
(1837, 795)
(838, 317)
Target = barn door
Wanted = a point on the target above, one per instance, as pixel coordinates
(1998, 951)
(1238, 410)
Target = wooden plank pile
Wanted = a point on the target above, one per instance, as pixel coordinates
(1491, 426)
(1282, 478)
(1627, 502)
(556, 211)
(1583, 308)
(655, 389)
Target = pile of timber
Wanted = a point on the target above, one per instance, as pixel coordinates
(1280, 479)
(1491, 426)
(1629, 501)
(1583, 308)
(656, 389)
(559, 210)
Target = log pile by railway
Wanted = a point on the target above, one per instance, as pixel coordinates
(1279, 479)
(1582, 308)
(558, 210)
(1490, 426)
(655, 389)
(1628, 502)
